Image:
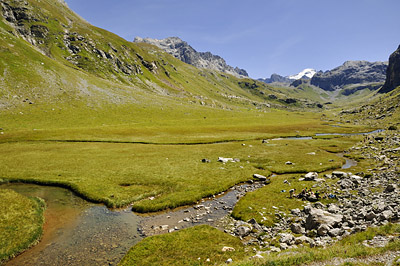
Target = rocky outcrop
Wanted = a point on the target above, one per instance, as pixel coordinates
(351, 72)
(393, 73)
(186, 53)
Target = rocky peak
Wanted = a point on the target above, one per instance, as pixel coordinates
(351, 72)
(393, 72)
(186, 53)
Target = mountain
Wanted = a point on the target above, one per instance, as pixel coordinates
(393, 72)
(351, 73)
(275, 78)
(307, 73)
(186, 53)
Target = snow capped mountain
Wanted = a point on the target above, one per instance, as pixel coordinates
(306, 73)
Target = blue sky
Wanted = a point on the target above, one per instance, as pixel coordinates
(261, 36)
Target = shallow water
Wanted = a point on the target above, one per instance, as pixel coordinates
(77, 232)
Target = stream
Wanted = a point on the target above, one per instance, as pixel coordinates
(77, 232)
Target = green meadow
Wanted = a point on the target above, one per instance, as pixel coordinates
(21, 222)
(199, 245)
(120, 164)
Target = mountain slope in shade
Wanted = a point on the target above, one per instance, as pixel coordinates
(393, 72)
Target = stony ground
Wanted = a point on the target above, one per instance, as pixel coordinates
(363, 200)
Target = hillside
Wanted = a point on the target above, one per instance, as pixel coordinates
(70, 60)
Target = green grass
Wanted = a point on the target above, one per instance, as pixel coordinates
(21, 222)
(349, 247)
(192, 246)
(118, 174)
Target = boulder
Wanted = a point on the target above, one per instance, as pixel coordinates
(323, 230)
(370, 216)
(318, 217)
(345, 183)
(339, 174)
(295, 212)
(390, 188)
(287, 239)
(225, 249)
(311, 176)
(297, 228)
(333, 208)
(260, 177)
(224, 160)
(303, 239)
(334, 232)
(283, 246)
(243, 231)
(386, 215)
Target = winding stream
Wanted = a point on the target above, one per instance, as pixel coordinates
(77, 232)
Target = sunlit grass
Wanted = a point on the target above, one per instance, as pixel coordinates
(200, 245)
(21, 221)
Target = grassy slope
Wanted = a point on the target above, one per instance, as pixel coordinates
(21, 222)
(192, 246)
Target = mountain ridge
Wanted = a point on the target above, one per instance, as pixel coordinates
(186, 53)
(350, 73)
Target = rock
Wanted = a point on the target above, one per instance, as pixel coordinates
(392, 73)
(260, 177)
(164, 227)
(334, 232)
(297, 228)
(295, 212)
(303, 239)
(257, 256)
(228, 261)
(319, 205)
(230, 249)
(286, 238)
(311, 176)
(323, 230)
(386, 215)
(390, 188)
(333, 208)
(370, 216)
(318, 217)
(289, 163)
(242, 231)
(275, 249)
(345, 183)
(339, 174)
(224, 160)
(283, 246)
